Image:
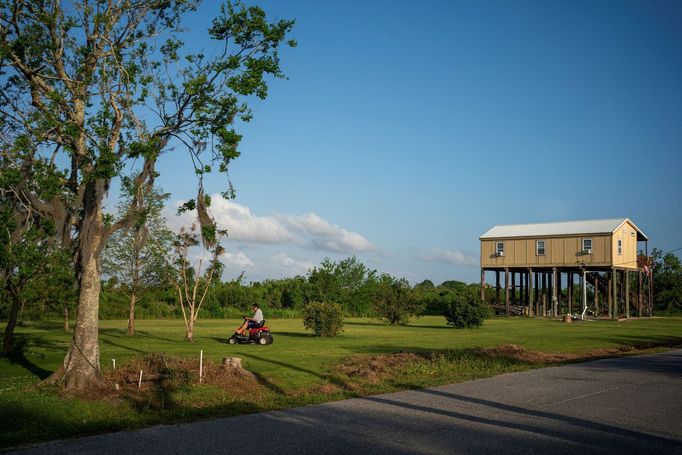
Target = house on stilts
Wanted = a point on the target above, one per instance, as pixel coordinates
(541, 264)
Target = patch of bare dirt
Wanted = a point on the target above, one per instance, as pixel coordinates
(516, 352)
(376, 367)
(519, 353)
(161, 376)
(328, 389)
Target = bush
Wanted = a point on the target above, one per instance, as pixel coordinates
(395, 301)
(323, 318)
(466, 311)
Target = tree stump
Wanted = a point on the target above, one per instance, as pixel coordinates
(233, 367)
(568, 318)
(232, 362)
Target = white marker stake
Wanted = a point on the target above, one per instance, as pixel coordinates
(139, 383)
(201, 365)
(114, 362)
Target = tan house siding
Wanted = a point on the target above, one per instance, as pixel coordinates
(628, 258)
(559, 252)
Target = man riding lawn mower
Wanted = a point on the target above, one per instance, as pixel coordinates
(253, 330)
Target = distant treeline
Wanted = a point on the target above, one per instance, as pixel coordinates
(347, 282)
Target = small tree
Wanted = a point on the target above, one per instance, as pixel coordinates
(394, 300)
(192, 284)
(667, 276)
(136, 255)
(21, 259)
(323, 318)
(348, 282)
(466, 311)
(31, 262)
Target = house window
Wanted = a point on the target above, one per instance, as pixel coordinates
(587, 246)
(499, 249)
(540, 247)
(620, 247)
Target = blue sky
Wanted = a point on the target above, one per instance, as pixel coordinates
(406, 130)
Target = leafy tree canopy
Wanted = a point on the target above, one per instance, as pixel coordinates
(92, 89)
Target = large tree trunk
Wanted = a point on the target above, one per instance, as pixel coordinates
(131, 314)
(8, 340)
(81, 365)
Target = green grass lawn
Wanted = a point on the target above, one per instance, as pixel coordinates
(293, 370)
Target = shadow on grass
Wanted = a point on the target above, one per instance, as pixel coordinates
(44, 419)
(324, 377)
(220, 339)
(411, 325)
(370, 324)
(266, 382)
(22, 347)
(430, 327)
(50, 326)
(295, 334)
(144, 334)
(274, 335)
(18, 357)
(122, 346)
(139, 334)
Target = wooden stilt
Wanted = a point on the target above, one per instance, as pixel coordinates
(497, 287)
(627, 293)
(544, 294)
(609, 294)
(596, 295)
(558, 289)
(554, 300)
(513, 288)
(621, 292)
(569, 292)
(639, 293)
(583, 298)
(506, 292)
(614, 311)
(538, 293)
(544, 305)
(531, 293)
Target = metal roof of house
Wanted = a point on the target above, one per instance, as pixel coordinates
(606, 226)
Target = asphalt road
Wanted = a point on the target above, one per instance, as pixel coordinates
(626, 405)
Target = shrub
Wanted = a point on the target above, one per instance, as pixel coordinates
(466, 311)
(394, 300)
(323, 318)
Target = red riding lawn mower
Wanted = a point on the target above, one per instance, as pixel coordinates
(257, 335)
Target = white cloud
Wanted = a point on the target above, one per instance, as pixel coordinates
(454, 257)
(240, 222)
(243, 225)
(309, 230)
(292, 265)
(322, 235)
(239, 259)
